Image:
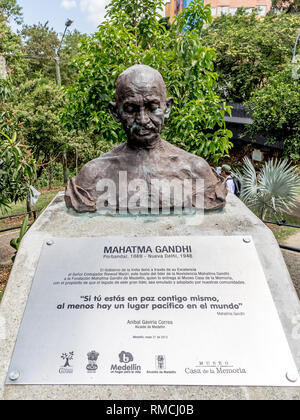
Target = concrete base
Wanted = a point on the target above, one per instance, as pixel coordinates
(56, 221)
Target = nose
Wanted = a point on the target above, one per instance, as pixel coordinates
(142, 117)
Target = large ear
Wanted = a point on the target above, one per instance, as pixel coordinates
(114, 110)
(169, 105)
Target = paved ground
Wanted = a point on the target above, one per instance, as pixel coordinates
(293, 240)
(296, 211)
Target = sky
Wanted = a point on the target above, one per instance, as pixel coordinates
(86, 14)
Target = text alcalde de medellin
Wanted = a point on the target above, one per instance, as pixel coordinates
(159, 249)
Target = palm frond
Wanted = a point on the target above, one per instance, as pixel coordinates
(249, 181)
(274, 190)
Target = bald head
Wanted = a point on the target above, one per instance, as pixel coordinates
(142, 105)
(140, 77)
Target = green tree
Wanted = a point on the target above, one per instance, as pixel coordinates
(10, 47)
(127, 38)
(69, 51)
(34, 111)
(276, 111)
(166, 22)
(193, 17)
(17, 170)
(10, 9)
(139, 16)
(40, 42)
(250, 50)
(135, 11)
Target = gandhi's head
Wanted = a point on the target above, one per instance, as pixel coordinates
(142, 105)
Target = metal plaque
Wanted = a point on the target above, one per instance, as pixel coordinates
(156, 310)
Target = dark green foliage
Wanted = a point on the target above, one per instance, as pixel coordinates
(277, 112)
(11, 48)
(250, 49)
(40, 42)
(9, 9)
(36, 112)
(165, 21)
(193, 17)
(17, 170)
(70, 49)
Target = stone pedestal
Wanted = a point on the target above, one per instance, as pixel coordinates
(57, 221)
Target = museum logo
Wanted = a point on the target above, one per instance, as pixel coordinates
(215, 368)
(92, 367)
(126, 364)
(67, 368)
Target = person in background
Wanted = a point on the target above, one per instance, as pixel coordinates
(233, 184)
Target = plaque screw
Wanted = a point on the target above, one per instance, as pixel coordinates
(50, 242)
(247, 240)
(14, 375)
(291, 377)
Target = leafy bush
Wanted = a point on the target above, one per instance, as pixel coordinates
(276, 112)
(17, 170)
(250, 50)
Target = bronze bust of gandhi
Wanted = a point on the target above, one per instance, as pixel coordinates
(142, 107)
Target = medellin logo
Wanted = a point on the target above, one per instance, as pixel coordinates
(67, 368)
(127, 366)
(125, 357)
(92, 367)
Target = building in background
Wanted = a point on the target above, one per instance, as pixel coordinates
(173, 7)
(219, 7)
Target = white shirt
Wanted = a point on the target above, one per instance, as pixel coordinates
(230, 184)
